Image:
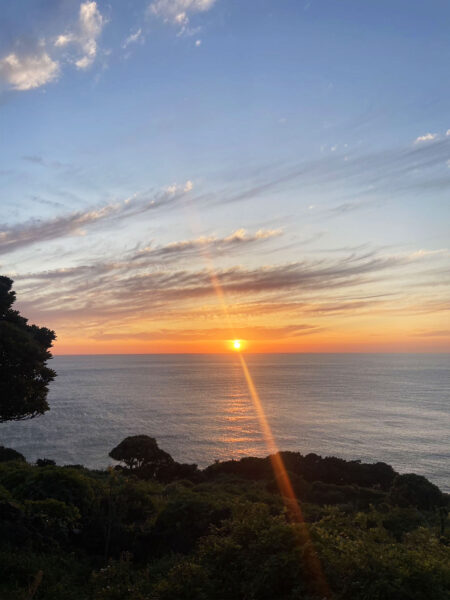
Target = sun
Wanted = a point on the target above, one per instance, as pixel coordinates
(237, 344)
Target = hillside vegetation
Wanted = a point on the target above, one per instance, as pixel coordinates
(154, 529)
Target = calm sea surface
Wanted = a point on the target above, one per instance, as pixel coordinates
(394, 408)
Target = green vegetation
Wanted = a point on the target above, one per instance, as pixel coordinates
(24, 351)
(173, 532)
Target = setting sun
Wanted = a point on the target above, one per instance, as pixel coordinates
(236, 344)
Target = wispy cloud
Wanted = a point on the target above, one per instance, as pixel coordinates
(174, 252)
(349, 207)
(133, 38)
(26, 234)
(45, 202)
(168, 288)
(258, 332)
(211, 245)
(127, 287)
(178, 12)
(433, 333)
(366, 173)
(39, 160)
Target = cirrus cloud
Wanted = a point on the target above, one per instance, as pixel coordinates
(177, 12)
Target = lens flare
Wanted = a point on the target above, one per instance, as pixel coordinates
(284, 483)
(285, 487)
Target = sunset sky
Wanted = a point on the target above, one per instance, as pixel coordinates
(178, 173)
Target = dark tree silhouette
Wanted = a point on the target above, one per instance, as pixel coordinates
(410, 489)
(141, 452)
(7, 454)
(24, 351)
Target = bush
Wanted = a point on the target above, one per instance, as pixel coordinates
(184, 520)
(252, 555)
(45, 462)
(66, 485)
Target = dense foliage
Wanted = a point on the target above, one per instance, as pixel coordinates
(222, 533)
(24, 351)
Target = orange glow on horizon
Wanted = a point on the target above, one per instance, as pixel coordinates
(68, 344)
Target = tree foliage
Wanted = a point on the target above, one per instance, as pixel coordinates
(24, 352)
(141, 451)
(7, 454)
(415, 490)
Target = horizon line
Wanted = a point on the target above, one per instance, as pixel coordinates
(232, 353)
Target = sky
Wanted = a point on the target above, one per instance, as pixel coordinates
(176, 174)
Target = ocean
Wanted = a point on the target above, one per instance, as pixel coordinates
(372, 407)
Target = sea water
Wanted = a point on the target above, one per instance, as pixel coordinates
(373, 407)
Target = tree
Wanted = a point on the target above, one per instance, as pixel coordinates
(7, 454)
(415, 490)
(24, 351)
(141, 452)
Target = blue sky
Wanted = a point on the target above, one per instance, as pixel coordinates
(305, 140)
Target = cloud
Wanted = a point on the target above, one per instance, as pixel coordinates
(33, 158)
(28, 71)
(178, 12)
(211, 245)
(257, 332)
(46, 202)
(348, 207)
(19, 236)
(367, 174)
(110, 290)
(428, 137)
(26, 234)
(424, 252)
(434, 333)
(174, 188)
(133, 38)
(39, 160)
(88, 29)
(34, 67)
(161, 288)
(240, 235)
(135, 261)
